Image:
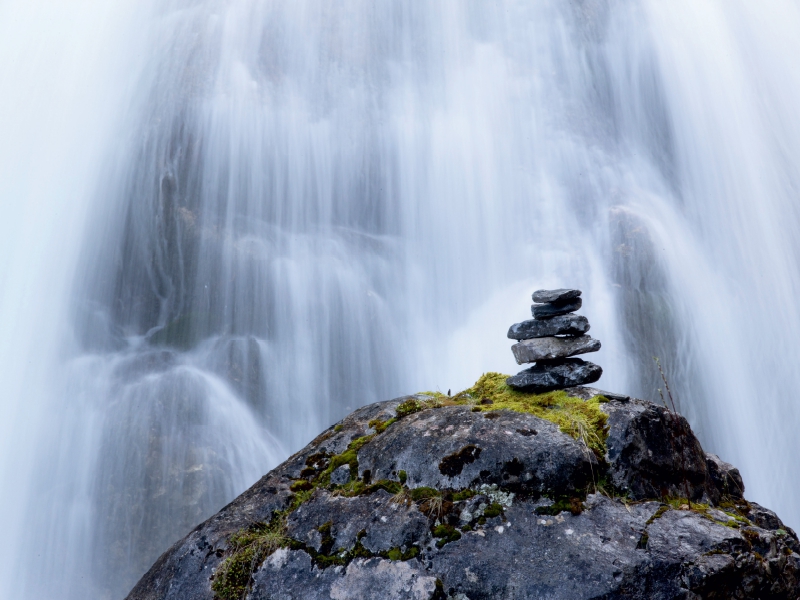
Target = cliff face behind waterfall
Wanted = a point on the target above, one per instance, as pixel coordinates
(473, 497)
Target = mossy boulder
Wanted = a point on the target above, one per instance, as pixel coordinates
(491, 493)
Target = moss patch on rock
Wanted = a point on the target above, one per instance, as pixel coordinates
(249, 548)
(581, 419)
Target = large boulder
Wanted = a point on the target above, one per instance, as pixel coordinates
(453, 498)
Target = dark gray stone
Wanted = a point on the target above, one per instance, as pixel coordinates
(765, 518)
(653, 452)
(547, 556)
(549, 348)
(546, 376)
(385, 524)
(561, 325)
(585, 393)
(555, 309)
(725, 476)
(341, 475)
(290, 575)
(555, 295)
(460, 450)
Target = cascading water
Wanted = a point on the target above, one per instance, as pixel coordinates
(227, 224)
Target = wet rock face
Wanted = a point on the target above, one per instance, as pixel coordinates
(451, 503)
(653, 453)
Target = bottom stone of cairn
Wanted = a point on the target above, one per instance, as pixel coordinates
(545, 375)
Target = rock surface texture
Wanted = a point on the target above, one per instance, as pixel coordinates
(563, 325)
(549, 348)
(551, 375)
(435, 497)
(555, 295)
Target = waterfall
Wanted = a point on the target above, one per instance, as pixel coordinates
(225, 225)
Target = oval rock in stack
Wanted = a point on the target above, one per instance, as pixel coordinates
(559, 295)
(565, 373)
(549, 348)
(561, 325)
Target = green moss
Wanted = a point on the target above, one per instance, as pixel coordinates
(402, 476)
(299, 498)
(348, 457)
(380, 426)
(493, 510)
(409, 407)
(359, 443)
(581, 419)
(423, 493)
(678, 503)
(738, 510)
(433, 394)
(658, 514)
(446, 534)
(397, 554)
(250, 547)
(463, 495)
(390, 486)
(561, 504)
(337, 428)
(301, 485)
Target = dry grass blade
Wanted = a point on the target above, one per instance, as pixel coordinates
(403, 497)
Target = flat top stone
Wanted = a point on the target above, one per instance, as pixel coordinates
(555, 295)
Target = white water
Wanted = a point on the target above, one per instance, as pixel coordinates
(224, 225)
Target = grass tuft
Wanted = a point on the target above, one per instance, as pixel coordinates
(250, 547)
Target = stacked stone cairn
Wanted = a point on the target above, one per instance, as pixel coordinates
(549, 340)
